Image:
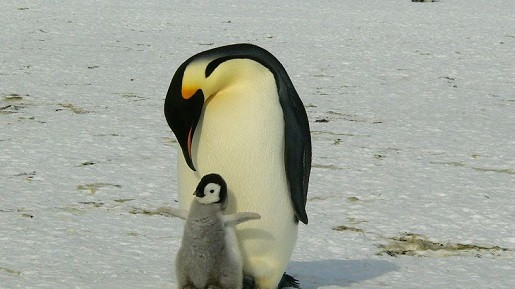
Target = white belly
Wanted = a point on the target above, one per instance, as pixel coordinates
(241, 137)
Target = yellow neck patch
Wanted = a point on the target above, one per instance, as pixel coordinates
(194, 78)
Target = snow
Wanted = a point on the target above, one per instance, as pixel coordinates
(412, 118)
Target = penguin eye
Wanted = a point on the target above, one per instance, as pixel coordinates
(212, 188)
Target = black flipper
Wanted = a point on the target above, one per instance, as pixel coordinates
(297, 151)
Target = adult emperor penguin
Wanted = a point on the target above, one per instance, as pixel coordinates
(234, 110)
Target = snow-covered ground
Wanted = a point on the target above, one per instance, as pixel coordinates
(412, 118)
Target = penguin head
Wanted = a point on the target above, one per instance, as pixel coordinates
(201, 77)
(211, 189)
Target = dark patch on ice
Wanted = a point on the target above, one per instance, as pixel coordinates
(502, 171)
(23, 174)
(319, 132)
(324, 75)
(333, 272)
(410, 244)
(320, 91)
(452, 164)
(379, 156)
(103, 134)
(73, 108)
(461, 164)
(5, 107)
(351, 118)
(13, 102)
(11, 271)
(151, 212)
(28, 176)
(93, 204)
(132, 96)
(337, 141)
(123, 200)
(330, 167)
(423, 53)
(94, 187)
(347, 228)
(169, 141)
(19, 210)
(448, 78)
(13, 97)
(319, 198)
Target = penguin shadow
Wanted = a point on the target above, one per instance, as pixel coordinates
(342, 273)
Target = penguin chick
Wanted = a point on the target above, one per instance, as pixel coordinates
(209, 256)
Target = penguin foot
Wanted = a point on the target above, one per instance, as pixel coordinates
(288, 281)
(249, 282)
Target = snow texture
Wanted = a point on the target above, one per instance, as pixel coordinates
(412, 118)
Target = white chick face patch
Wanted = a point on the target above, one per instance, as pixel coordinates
(211, 194)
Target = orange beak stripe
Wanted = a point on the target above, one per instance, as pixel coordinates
(189, 141)
(188, 91)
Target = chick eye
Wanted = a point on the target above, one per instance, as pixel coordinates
(212, 189)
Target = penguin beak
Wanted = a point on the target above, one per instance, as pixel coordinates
(182, 113)
(199, 193)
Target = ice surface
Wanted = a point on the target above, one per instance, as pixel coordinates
(412, 118)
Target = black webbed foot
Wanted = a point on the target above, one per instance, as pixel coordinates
(249, 282)
(287, 281)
